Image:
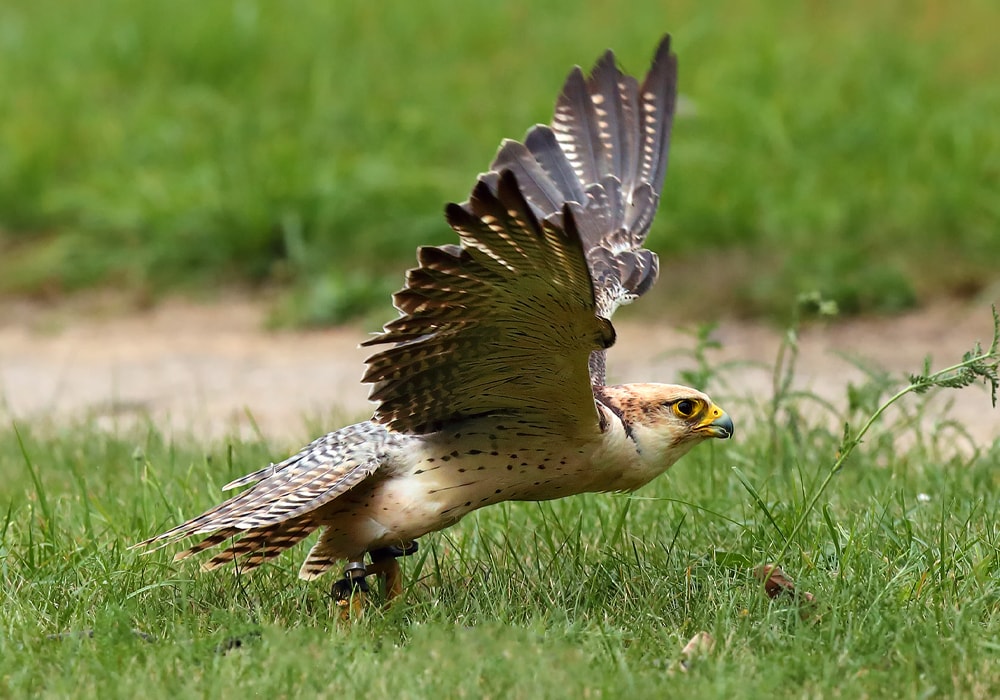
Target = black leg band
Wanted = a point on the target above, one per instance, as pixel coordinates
(394, 551)
(346, 587)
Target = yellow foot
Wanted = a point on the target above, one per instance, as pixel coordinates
(350, 596)
(351, 609)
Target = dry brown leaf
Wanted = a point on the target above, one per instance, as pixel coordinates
(777, 583)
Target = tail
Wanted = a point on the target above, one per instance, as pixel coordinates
(281, 508)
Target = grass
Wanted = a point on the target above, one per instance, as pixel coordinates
(592, 595)
(159, 147)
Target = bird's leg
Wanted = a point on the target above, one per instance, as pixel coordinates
(387, 569)
(385, 565)
(350, 592)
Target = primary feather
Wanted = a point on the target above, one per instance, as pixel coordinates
(605, 155)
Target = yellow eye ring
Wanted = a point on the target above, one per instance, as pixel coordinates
(685, 408)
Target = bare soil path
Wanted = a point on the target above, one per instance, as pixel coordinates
(204, 369)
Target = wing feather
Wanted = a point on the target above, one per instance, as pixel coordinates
(503, 325)
(658, 104)
(605, 153)
(541, 142)
(576, 127)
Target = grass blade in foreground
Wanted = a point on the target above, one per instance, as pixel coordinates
(976, 365)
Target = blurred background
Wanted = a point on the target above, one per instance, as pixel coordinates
(302, 150)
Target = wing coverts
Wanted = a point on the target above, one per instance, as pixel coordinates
(503, 324)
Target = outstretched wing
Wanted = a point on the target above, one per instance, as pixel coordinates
(503, 325)
(606, 155)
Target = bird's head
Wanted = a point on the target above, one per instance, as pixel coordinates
(667, 420)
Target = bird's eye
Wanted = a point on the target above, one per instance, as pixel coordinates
(684, 408)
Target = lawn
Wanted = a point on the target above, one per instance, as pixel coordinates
(584, 597)
(163, 147)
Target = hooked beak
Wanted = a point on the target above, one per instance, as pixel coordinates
(717, 424)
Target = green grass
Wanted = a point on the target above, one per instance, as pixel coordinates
(161, 146)
(592, 595)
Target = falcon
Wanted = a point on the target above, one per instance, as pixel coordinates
(490, 385)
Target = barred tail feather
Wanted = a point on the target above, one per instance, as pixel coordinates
(212, 540)
(257, 546)
(286, 503)
(321, 558)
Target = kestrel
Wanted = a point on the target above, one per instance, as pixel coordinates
(490, 385)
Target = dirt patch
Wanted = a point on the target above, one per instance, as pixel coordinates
(206, 369)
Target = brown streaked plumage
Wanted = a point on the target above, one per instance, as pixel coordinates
(490, 384)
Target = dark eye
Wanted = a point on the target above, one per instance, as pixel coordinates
(684, 408)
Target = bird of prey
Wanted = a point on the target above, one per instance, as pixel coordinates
(490, 385)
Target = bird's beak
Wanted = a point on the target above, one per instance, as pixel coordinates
(717, 424)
